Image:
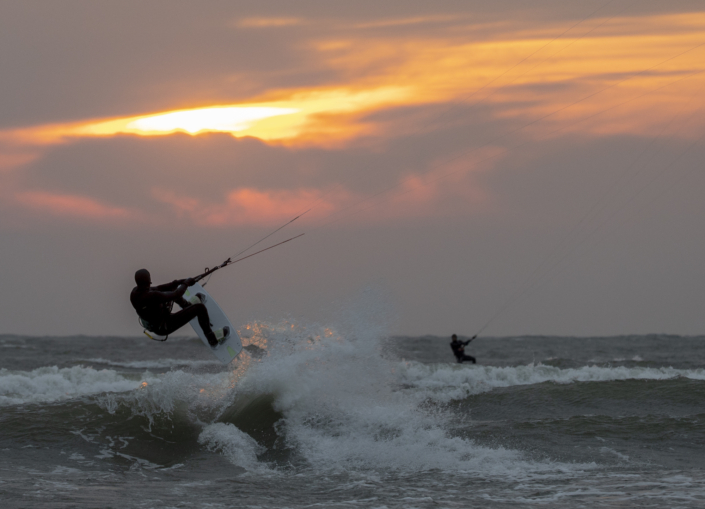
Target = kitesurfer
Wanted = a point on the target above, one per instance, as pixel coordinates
(153, 305)
(458, 348)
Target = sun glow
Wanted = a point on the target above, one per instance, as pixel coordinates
(304, 115)
(225, 119)
(228, 119)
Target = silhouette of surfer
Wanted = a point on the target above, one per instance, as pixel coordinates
(458, 348)
(154, 303)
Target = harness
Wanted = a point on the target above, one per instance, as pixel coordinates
(156, 328)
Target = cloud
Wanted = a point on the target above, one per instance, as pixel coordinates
(568, 79)
(72, 206)
(314, 117)
(247, 206)
(448, 188)
(12, 160)
(268, 22)
(391, 86)
(417, 20)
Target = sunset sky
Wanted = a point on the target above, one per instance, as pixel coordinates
(532, 167)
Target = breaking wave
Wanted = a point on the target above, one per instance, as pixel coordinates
(155, 363)
(51, 384)
(330, 400)
(443, 382)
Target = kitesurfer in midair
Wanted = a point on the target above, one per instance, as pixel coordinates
(458, 348)
(153, 305)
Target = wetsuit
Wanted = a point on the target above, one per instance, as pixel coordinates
(153, 305)
(458, 348)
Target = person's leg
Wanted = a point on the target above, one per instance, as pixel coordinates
(469, 358)
(178, 320)
(183, 303)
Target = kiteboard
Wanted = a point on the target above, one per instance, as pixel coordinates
(229, 348)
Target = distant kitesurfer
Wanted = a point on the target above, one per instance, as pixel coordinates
(458, 348)
(153, 305)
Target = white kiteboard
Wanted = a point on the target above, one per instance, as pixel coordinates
(227, 350)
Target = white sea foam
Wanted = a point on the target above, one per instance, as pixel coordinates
(343, 409)
(198, 393)
(443, 382)
(50, 384)
(240, 448)
(155, 363)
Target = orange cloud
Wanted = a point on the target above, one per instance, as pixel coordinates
(446, 188)
(417, 20)
(249, 206)
(71, 206)
(574, 77)
(626, 57)
(414, 195)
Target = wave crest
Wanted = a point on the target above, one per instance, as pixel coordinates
(443, 383)
(51, 384)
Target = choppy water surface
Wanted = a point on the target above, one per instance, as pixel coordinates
(315, 416)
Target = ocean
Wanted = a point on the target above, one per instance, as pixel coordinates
(347, 417)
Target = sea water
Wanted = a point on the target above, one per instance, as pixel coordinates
(346, 416)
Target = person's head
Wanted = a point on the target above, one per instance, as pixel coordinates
(143, 278)
(454, 337)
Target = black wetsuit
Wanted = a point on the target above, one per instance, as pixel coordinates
(458, 348)
(153, 305)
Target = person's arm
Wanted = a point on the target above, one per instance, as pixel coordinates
(170, 287)
(167, 296)
(468, 341)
